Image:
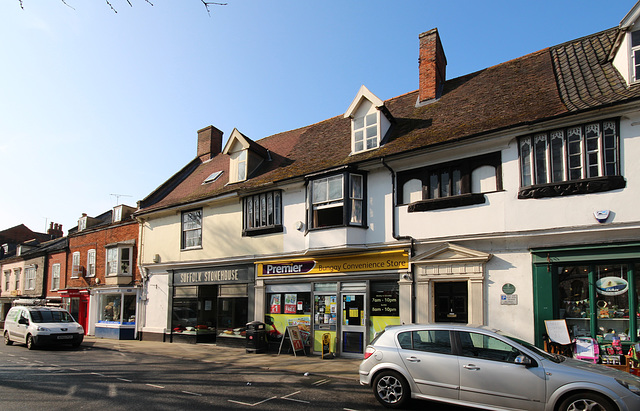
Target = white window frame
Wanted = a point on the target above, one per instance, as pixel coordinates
(91, 263)
(117, 264)
(239, 164)
(634, 66)
(55, 277)
(30, 277)
(75, 264)
(16, 273)
(331, 192)
(365, 130)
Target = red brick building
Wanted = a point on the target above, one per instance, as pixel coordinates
(102, 277)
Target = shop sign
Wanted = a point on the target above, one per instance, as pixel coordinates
(387, 260)
(384, 303)
(211, 276)
(612, 286)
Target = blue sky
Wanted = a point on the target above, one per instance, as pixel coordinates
(95, 103)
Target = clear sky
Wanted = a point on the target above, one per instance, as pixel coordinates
(95, 103)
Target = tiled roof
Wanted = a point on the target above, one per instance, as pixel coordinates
(549, 83)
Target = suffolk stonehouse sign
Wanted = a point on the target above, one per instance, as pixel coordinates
(382, 261)
(224, 275)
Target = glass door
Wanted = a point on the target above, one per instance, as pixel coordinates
(354, 323)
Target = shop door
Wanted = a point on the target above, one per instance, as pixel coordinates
(451, 302)
(354, 323)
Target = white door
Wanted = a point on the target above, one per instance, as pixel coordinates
(354, 324)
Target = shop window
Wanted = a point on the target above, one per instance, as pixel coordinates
(337, 200)
(286, 309)
(232, 310)
(610, 303)
(384, 306)
(117, 308)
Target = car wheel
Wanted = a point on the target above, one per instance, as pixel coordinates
(7, 340)
(391, 389)
(586, 401)
(30, 343)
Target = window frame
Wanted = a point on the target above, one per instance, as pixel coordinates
(75, 265)
(30, 273)
(184, 231)
(91, 263)
(267, 219)
(634, 65)
(55, 276)
(365, 129)
(7, 279)
(347, 200)
(119, 261)
(17, 272)
(570, 156)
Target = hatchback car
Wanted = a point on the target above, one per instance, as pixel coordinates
(36, 325)
(483, 368)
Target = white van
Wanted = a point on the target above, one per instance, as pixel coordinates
(35, 326)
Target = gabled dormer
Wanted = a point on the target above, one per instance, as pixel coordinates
(85, 222)
(370, 121)
(121, 212)
(626, 51)
(245, 156)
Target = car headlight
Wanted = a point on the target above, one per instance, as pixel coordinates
(632, 386)
(39, 328)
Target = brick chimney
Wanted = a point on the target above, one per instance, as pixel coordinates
(431, 66)
(55, 230)
(209, 142)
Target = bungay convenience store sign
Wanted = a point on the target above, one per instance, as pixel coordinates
(383, 261)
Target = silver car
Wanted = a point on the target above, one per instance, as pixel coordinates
(483, 368)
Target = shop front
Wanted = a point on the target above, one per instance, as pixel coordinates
(211, 305)
(76, 301)
(593, 288)
(343, 301)
(116, 312)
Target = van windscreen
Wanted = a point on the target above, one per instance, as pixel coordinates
(50, 316)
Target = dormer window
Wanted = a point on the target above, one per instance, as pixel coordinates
(82, 223)
(635, 53)
(239, 161)
(370, 121)
(245, 156)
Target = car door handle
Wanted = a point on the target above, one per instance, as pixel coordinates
(413, 359)
(471, 367)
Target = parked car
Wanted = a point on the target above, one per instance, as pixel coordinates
(480, 367)
(36, 325)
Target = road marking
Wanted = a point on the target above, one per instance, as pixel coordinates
(124, 379)
(155, 386)
(97, 373)
(192, 393)
(74, 369)
(253, 405)
(321, 382)
(286, 397)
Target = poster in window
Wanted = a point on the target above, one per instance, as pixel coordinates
(275, 304)
(290, 303)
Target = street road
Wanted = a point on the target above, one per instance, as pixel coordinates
(61, 378)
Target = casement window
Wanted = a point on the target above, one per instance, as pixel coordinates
(262, 213)
(76, 270)
(366, 131)
(453, 184)
(55, 277)
(30, 278)
(635, 56)
(562, 157)
(238, 166)
(337, 200)
(91, 263)
(192, 229)
(119, 260)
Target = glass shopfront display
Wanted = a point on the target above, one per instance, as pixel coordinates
(116, 314)
(384, 306)
(287, 305)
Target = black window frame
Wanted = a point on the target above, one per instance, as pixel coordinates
(183, 245)
(257, 224)
(447, 198)
(348, 201)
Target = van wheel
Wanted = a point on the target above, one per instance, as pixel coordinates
(7, 340)
(30, 343)
(586, 401)
(391, 389)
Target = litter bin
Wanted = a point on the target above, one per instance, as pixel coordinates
(256, 337)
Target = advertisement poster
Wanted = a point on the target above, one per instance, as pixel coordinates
(290, 303)
(275, 304)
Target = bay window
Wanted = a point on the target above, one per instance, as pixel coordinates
(119, 260)
(337, 200)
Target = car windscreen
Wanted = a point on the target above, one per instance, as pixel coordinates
(39, 316)
(549, 356)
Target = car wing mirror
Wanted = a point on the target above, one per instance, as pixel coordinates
(523, 360)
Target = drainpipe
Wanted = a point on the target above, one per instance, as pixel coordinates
(141, 317)
(395, 234)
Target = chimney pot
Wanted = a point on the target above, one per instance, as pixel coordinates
(432, 65)
(209, 142)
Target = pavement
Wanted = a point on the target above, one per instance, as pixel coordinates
(339, 367)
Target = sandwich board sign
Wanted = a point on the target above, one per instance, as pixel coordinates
(293, 335)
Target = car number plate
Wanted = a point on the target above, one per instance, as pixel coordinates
(65, 337)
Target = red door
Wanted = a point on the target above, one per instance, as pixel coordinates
(82, 312)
